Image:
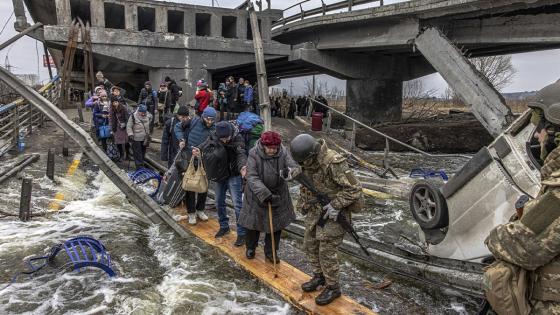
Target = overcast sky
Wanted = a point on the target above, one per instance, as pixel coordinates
(534, 70)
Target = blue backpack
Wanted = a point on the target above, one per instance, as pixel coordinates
(247, 121)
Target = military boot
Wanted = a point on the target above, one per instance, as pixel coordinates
(329, 294)
(312, 285)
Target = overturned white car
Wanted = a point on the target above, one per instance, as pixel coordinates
(456, 218)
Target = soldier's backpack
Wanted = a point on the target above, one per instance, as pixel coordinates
(506, 288)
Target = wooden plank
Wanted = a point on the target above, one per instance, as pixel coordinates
(288, 283)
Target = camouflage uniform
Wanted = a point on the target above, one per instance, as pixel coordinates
(284, 106)
(539, 252)
(330, 174)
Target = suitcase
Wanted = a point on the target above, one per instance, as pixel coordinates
(171, 192)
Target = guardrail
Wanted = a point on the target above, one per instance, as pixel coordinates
(20, 117)
(355, 123)
(323, 10)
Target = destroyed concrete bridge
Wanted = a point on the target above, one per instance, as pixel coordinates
(374, 49)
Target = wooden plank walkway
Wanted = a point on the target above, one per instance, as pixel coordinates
(289, 279)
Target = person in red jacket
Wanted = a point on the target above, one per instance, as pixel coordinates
(202, 97)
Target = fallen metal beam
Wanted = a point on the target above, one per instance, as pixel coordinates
(148, 206)
(20, 35)
(488, 106)
(18, 167)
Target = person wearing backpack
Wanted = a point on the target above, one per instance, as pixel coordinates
(149, 97)
(169, 139)
(265, 186)
(250, 127)
(137, 129)
(525, 279)
(198, 131)
(331, 175)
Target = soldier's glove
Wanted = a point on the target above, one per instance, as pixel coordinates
(330, 212)
(130, 138)
(289, 173)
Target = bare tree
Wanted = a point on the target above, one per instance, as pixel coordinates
(308, 84)
(498, 70)
(420, 103)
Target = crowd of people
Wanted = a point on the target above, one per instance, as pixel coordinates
(222, 134)
(289, 107)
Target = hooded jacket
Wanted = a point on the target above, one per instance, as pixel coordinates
(138, 126)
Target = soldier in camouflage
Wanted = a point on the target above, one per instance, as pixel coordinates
(533, 241)
(284, 104)
(331, 175)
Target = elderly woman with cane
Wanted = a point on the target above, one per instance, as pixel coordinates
(267, 205)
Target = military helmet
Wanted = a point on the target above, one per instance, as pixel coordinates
(548, 100)
(303, 147)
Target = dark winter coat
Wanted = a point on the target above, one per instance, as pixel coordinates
(236, 154)
(174, 89)
(166, 99)
(118, 119)
(231, 98)
(169, 141)
(263, 180)
(148, 98)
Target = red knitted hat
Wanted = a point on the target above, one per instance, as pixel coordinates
(271, 138)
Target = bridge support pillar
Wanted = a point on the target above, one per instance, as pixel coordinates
(374, 100)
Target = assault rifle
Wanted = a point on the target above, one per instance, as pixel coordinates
(323, 199)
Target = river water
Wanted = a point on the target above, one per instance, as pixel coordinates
(159, 273)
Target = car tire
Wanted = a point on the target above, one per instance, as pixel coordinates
(428, 206)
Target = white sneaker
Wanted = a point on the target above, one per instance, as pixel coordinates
(192, 218)
(201, 215)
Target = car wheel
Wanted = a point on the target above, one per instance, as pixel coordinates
(428, 206)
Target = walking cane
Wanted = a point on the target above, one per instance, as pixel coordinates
(272, 237)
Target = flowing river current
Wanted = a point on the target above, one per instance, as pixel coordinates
(158, 273)
(161, 273)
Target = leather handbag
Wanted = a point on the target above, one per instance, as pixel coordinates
(195, 179)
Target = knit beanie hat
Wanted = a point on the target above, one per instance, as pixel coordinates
(271, 138)
(142, 109)
(183, 110)
(209, 112)
(223, 129)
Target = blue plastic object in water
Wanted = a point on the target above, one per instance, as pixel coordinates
(144, 175)
(85, 251)
(428, 173)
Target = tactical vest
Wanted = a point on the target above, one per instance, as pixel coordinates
(540, 215)
(323, 180)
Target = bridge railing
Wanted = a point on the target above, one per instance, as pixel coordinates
(20, 117)
(323, 10)
(388, 139)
